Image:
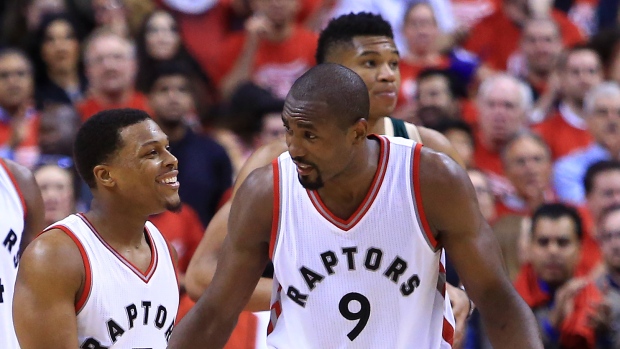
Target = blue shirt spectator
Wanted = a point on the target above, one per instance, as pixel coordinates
(570, 170)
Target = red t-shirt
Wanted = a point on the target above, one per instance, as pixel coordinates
(26, 152)
(90, 106)
(183, 230)
(496, 37)
(277, 64)
(561, 136)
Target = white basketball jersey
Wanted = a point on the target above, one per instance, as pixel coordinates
(12, 215)
(122, 307)
(375, 280)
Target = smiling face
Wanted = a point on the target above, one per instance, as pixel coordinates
(375, 60)
(143, 172)
(320, 147)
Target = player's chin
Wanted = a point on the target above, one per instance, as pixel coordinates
(174, 204)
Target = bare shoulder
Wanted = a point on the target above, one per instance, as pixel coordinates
(446, 190)
(261, 157)
(24, 178)
(251, 211)
(438, 142)
(51, 256)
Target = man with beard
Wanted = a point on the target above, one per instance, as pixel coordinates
(106, 278)
(364, 43)
(325, 213)
(566, 129)
(205, 169)
(110, 64)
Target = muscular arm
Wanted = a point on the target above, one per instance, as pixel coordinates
(245, 254)
(438, 142)
(35, 215)
(452, 211)
(204, 262)
(50, 278)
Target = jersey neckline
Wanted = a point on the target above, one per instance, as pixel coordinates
(364, 206)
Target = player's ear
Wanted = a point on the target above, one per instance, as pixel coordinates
(360, 130)
(102, 175)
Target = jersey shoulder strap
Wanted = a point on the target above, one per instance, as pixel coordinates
(400, 130)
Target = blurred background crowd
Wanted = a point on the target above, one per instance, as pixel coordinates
(527, 91)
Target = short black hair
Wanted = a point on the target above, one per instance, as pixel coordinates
(455, 124)
(556, 211)
(9, 51)
(341, 30)
(167, 69)
(456, 86)
(339, 87)
(100, 137)
(596, 169)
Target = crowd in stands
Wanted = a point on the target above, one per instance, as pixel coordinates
(528, 93)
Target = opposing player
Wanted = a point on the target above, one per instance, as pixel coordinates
(364, 43)
(355, 226)
(106, 278)
(21, 218)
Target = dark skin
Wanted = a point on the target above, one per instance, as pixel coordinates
(52, 275)
(35, 215)
(347, 161)
(375, 59)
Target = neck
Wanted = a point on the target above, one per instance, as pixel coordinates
(281, 33)
(492, 144)
(112, 97)
(538, 76)
(575, 105)
(175, 132)
(352, 185)
(375, 125)
(118, 225)
(64, 78)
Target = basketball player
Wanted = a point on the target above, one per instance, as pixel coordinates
(355, 226)
(21, 218)
(105, 278)
(364, 43)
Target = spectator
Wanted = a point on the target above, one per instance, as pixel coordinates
(536, 61)
(527, 164)
(468, 13)
(58, 125)
(497, 36)
(56, 184)
(503, 102)
(272, 52)
(606, 317)
(23, 18)
(18, 118)
(566, 130)
(439, 88)
(602, 110)
(59, 77)
(602, 187)
(204, 167)
(422, 35)
(486, 199)
(158, 40)
(112, 15)
(461, 136)
(548, 285)
(111, 69)
(183, 230)
(393, 12)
